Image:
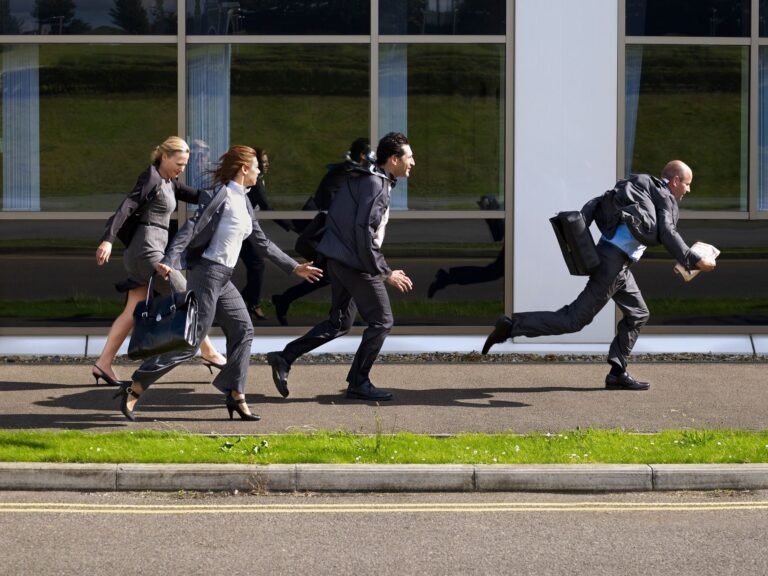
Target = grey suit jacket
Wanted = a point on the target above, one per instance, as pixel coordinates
(187, 247)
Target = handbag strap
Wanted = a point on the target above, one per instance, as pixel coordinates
(145, 313)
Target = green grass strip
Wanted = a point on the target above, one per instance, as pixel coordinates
(572, 447)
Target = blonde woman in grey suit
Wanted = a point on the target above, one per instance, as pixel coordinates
(152, 202)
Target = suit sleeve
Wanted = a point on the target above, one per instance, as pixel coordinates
(370, 210)
(186, 193)
(268, 249)
(128, 206)
(670, 238)
(180, 241)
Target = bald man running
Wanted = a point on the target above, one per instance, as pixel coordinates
(638, 212)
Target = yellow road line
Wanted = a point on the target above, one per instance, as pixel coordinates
(64, 508)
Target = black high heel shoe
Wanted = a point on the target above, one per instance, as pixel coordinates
(106, 377)
(234, 406)
(211, 365)
(125, 391)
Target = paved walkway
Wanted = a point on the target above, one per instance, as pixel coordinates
(429, 398)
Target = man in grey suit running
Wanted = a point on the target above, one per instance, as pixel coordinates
(358, 272)
(638, 212)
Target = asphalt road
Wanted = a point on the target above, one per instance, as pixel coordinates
(697, 534)
(429, 398)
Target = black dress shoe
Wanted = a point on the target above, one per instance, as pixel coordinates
(499, 334)
(440, 282)
(624, 382)
(280, 369)
(367, 391)
(281, 308)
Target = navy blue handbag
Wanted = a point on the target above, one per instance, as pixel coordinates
(165, 324)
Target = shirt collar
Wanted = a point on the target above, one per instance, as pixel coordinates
(237, 188)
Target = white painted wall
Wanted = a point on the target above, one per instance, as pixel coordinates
(565, 142)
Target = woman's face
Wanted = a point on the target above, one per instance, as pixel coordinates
(252, 174)
(264, 164)
(172, 166)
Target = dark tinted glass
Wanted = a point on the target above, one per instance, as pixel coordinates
(688, 18)
(468, 292)
(269, 17)
(691, 103)
(55, 279)
(304, 104)
(441, 17)
(57, 17)
(733, 294)
(80, 122)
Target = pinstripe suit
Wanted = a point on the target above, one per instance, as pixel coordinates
(217, 297)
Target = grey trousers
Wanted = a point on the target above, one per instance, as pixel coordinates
(612, 280)
(351, 291)
(218, 300)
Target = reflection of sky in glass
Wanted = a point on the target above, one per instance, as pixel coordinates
(93, 12)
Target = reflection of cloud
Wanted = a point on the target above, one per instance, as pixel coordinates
(93, 12)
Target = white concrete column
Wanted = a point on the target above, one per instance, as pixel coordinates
(565, 142)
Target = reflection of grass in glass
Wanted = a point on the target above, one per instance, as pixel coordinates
(101, 308)
(707, 306)
(76, 306)
(685, 113)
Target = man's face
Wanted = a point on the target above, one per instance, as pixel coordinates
(680, 186)
(401, 167)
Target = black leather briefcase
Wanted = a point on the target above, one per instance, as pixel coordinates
(576, 243)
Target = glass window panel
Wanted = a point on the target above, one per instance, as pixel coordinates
(733, 294)
(688, 18)
(691, 103)
(271, 17)
(442, 16)
(468, 292)
(449, 100)
(79, 122)
(109, 17)
(303, 104)
(62, 285)
(762, 132)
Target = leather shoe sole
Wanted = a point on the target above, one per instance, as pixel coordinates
(624, 382)
(280, 371)
(376, 394)
(499, 333)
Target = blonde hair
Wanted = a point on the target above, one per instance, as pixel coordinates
(172, 145)
(230, 163)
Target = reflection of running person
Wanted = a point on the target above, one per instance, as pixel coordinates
(464, 275)
(637, 212)
(352, 245)
(310, 232)
(249, 253)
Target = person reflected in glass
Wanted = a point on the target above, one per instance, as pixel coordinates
(208, 245)
(249, 253)
(466, 275)
(311, 231)
(154, 198)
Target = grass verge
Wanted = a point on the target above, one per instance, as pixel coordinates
(572, 447)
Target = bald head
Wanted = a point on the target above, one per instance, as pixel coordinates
(680, 177)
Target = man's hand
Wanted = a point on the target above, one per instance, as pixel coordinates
(706, 265)
(399, 280)
(103, 252)
(308, 272)
(163, 270)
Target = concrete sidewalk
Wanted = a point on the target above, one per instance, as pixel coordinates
(429, 398)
